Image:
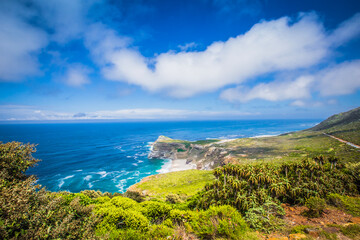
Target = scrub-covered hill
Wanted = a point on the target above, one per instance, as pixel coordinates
(209, 154)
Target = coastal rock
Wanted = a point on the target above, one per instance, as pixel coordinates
(203, 156)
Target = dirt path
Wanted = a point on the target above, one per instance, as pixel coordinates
(341, 140)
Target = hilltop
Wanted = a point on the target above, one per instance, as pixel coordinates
(339, 120)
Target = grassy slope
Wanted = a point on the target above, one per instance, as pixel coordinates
(287, 147)
(291, 146)
(343, 125)
(183, 182)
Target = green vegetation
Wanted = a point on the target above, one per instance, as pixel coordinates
(349, 204)
(186, 143)
(250, 186)
(28, 212)
(352, 231)
(316, 206)
(182, 183)
(230, 202)
(339, 120)
(204, 142)
(289, 147)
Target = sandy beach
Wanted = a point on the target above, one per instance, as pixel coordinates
(180, 164)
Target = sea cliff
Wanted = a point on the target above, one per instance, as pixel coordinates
(205, 154)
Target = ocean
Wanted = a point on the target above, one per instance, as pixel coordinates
(111, 157)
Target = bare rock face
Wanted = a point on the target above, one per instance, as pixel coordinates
(166, 148)
(204, 156)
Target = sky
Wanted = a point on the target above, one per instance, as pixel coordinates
(78, 60)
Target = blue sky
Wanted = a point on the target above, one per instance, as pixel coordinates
(199, 59)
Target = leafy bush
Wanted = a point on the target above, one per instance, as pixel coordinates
(156, 211)
(29, 212)
(160, 232)
(117, 218)
(173, 198)
(266, 218)
(300, 228)
(219, 221)
(316, 206)
(16, 158)
(251, 185)
(134, 196)
(123, 202)
(180, 217)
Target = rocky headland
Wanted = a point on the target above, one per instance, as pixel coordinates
(205, 154)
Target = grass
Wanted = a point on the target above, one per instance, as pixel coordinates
(349, 132)
(349, 204)
(185, 183)
(290, 147)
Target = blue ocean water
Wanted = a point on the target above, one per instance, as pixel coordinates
(113, 156)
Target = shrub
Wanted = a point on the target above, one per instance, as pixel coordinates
(181, 216)
(138, 197)
(118, 218)
(123, 202)
(160, 232)
(316, 206)
(219, 221)
(173, 198)
(301, 228)
(250, 185)
(156, 211)
(29, 212)
(16, 158)
(265, 218)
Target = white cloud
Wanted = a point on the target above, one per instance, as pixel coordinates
(76, 76)
(346, 30)
(18, 112)
(273, 91)
(187, 46)
(269, 46)
(298, 103)
(103, 42)
(19, 42)
(340, 79)
(66, 18)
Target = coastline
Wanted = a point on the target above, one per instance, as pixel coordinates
(180, 165)
(175, 165)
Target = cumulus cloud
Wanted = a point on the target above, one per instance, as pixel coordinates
(76, 76)
(269, 46)
(273, 91)
(20, 112)
(20, 42)
(340, 79)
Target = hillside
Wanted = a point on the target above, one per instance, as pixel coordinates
(286, 147)
(339, 120)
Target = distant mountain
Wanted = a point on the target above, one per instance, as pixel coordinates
(339, 120)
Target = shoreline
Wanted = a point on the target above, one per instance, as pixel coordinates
(175, 165)
(180, 165)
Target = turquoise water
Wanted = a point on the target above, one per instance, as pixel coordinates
(113, 156)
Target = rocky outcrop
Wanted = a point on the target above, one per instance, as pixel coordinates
(204, 156)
